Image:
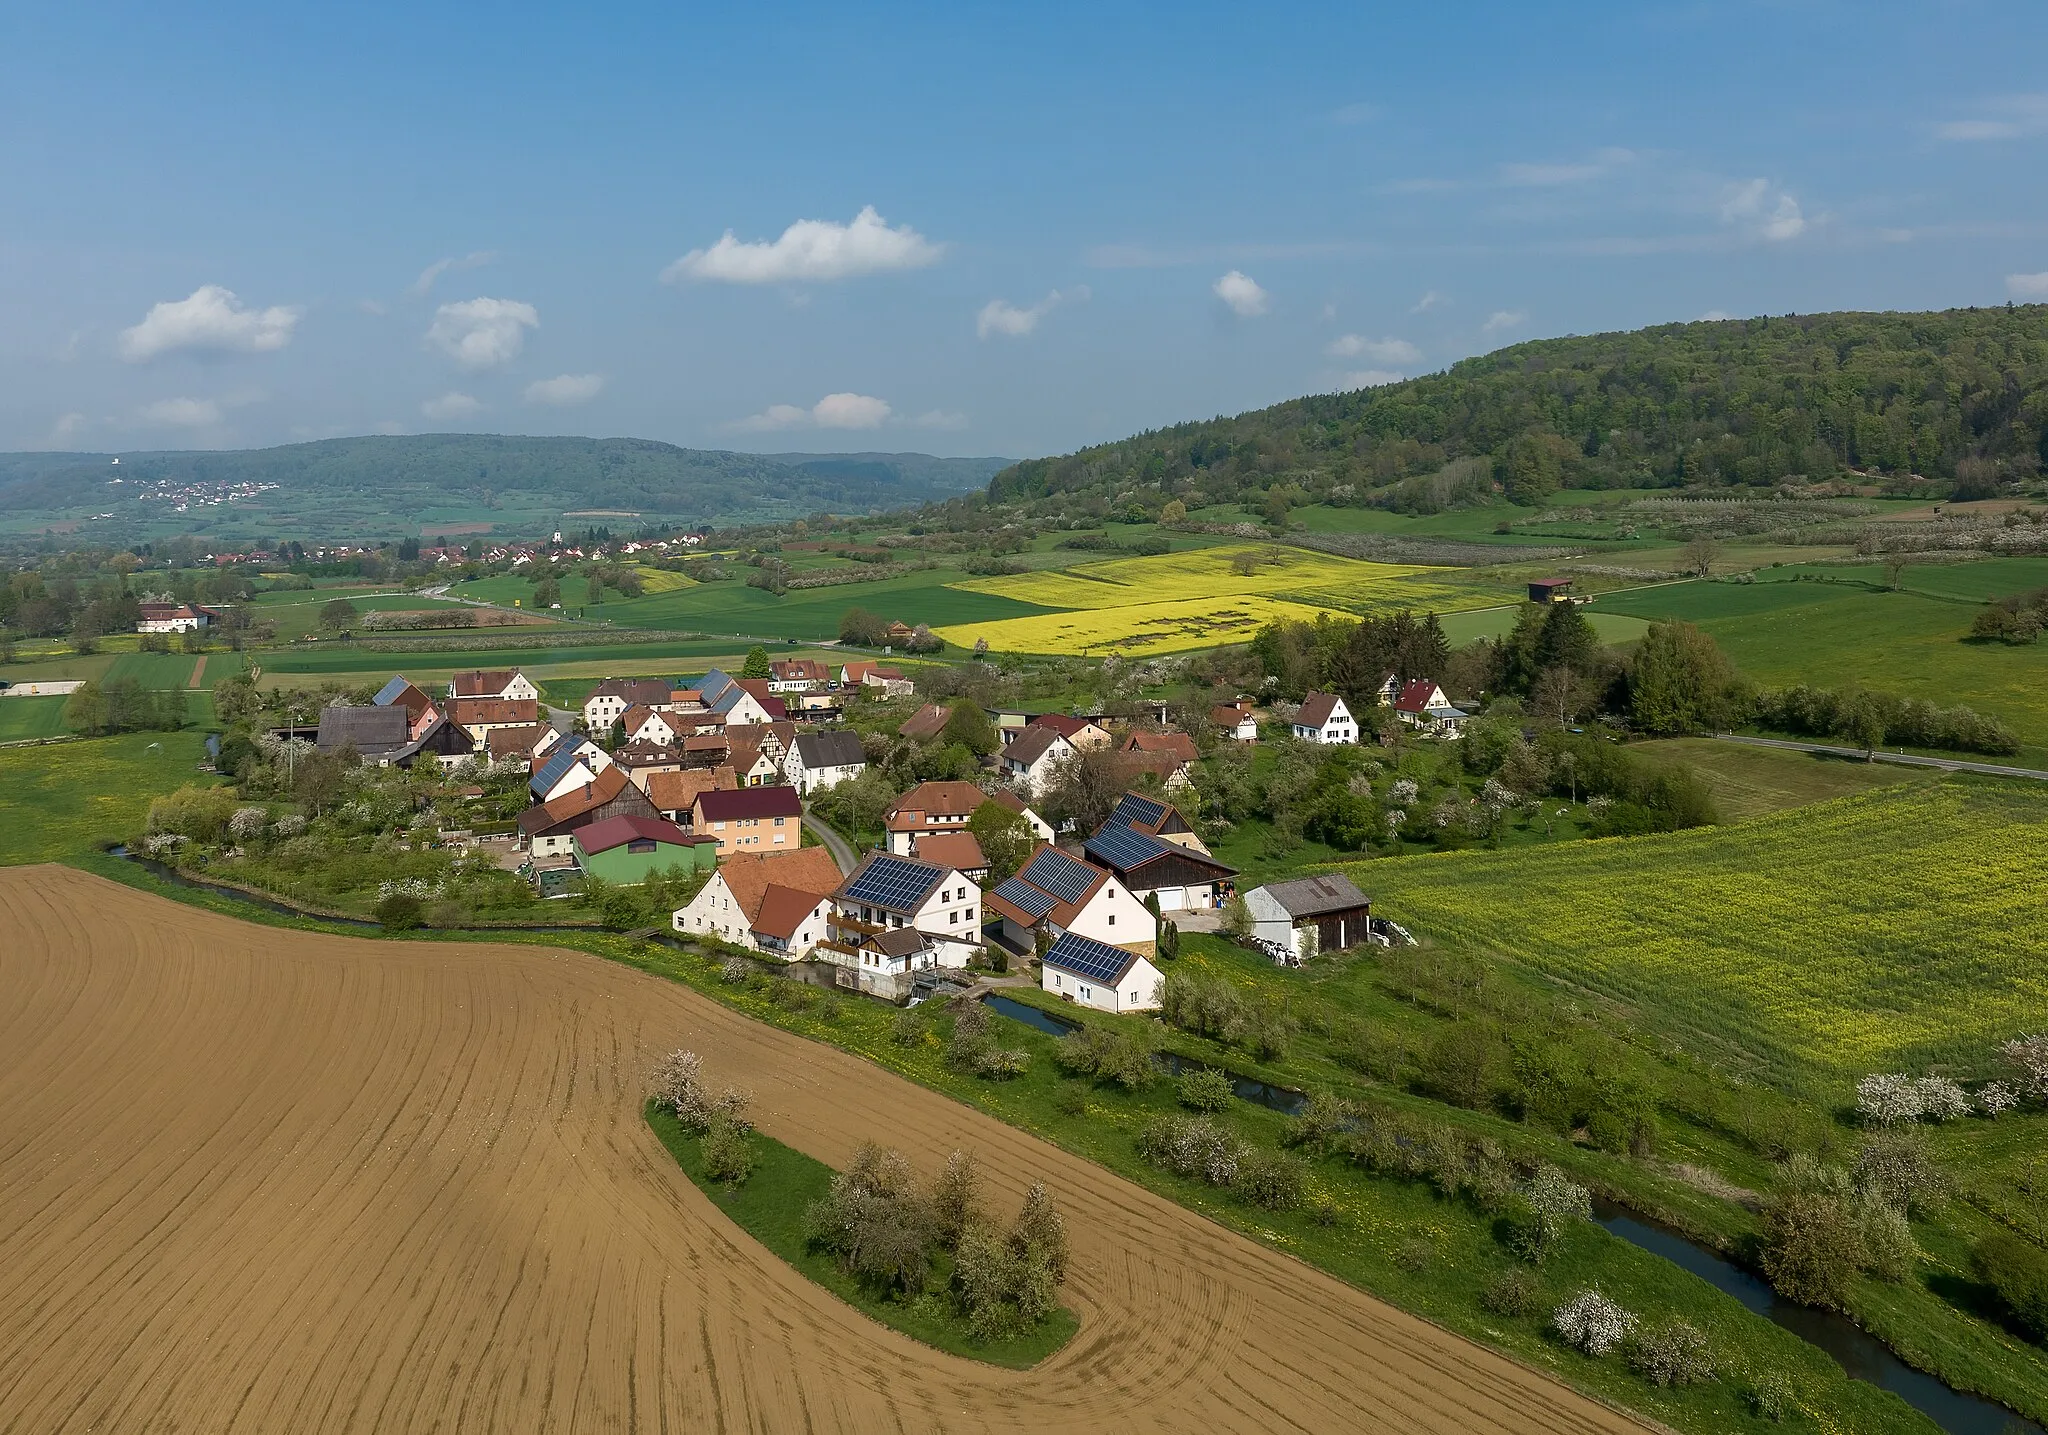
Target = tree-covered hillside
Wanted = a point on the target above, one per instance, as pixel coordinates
(1959, 396)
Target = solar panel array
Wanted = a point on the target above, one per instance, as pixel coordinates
(1123, 847)
(556, 766)
(1024, 897)
(1060, 875)
(896, 883)
(1083, 956)
(1135, 809)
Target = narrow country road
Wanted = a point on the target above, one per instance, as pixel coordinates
(1904, 759)
(841, 850)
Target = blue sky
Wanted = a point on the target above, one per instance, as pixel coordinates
(1020, 228)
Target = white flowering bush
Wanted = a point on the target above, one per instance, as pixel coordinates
(409, 887)
(2028, 1058)
(1191, 1146)
(1942, 1099)
(1404, 792)
(247, 823)
(1996, 1098)
(1887, 1098)
(160, 844)
(1592, 1323)
(290, 825)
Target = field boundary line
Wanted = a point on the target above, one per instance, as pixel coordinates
(1904, 759)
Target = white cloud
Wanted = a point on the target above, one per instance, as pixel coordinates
(482, 333)
(66, 431)
(1000, 316)
(451, 405)
(939, 419)
(182, 413)
(810, 251)
(1379, 351)
(2027, 286)
(1501, 319)
(425, 283)
(1245, 298)
(212, 320)
(1544, 176)
(1427, 302)
(834, 411)
(2006, 117)
(1755, 206)
(565, 389)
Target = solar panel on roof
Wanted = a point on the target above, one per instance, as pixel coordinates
(556, 766)
(893, 882)
(1086, 957)
(1060, 875)
(1135, 809)
(1123, 847)
(1024, 897)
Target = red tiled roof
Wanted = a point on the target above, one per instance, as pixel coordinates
(958, 850)
(1032, 744)
(745, 802)
(784, 909)
(1316, 709)
(932, 799)
(1415, 696)
(618, 831)
(677, 791)
(927, 722)
(471, 712)
(483, 683)
(1174, 744)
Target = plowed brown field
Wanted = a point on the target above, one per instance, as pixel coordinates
(257, 1181)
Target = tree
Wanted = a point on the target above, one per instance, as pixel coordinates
(86, 709)
(1680, 681)
(1894, 571)
(862, 629)
(338, 615)
(970, 727)
(1557, 695)
(757, 663)
(1174, 512)
(1813, 1247)
(1006, 839)
(1698, 555)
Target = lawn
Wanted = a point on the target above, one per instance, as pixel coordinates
(22, 718)
(1614, 629)
(70, 798)
(159, 671)
(1755, 781)
(1897, 929)
(422, 665)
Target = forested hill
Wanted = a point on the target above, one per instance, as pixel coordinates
(334, 484)
(1960, 395)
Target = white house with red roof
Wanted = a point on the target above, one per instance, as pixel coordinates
(1422, 704)
(174, 618)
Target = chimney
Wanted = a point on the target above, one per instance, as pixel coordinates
(588, 788)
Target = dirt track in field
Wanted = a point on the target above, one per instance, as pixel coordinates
(259, 1181)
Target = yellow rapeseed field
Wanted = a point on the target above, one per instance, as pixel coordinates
(1178, 601)
(661, 580)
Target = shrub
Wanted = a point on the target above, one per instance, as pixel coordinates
(1898, 1168)
(1995, 1098)
(1414, 1255)
(1552, 1203)
(1591, 1323)
(735, 971)
(1323, 1209)
(1270, 1179)
(1514, 1293)
(1768, 1396)
(400, 912)
(1000, 1063)
(1671, 1353)
(955, 1199)
(1888, 1249)
(907, 1027)
(679, 1086)
(2018, 1270)
(727, 1155)
(1070, 1099)
(1203, 1089)
(2028, 1058)
(1195, 1147)
(1122, 1054)
(1813, 1247)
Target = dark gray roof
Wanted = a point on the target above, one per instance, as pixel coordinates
(373, 731)
(898, 942)
(830, 749)
(1313, 896)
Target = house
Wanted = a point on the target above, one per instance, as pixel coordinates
(817, 705)
(749, 819)
(374, 734)
(1550, 590)
(729, 699)
(959, 850)
(173, 618)
(1156, 819)
(641, 723)
(887, 683)
(570, 763)
(483, 715)
(642, 760)
(685, 700)
(929, 807)
(1011, 802)
(515, 745)
(1422, 704)
(1031, 759)
(797, 675)
(1295, 920)
(753, 762)
(887, 892)
(708, 748)
(629, 850)
(757, 688)
(926, 723)
(778, 903)
(674, 794)
(1324, 718)
(608, 702)
(507, 683)
(1236, 721)
(818, 760)
(1085, 734)
(1182, 880)
(898, 633)
(1057, 893)
(402, 694)
(447, 743)
(883, 963)
(855, 674)
(1387, 689)
(1169, 756)
(1174, 744)
(548, 828)
(1094, 974)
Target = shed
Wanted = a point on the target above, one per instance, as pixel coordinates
(628, 850)
(1295, 920)
(1549, 590)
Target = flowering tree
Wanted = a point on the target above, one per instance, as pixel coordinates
(2028, 1058)
(1592, 1323)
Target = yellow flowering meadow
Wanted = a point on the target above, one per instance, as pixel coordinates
(1178, 601)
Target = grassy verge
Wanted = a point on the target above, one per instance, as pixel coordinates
(770, 1206)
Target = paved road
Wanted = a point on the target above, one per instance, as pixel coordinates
(841, 850)
(1904, 759)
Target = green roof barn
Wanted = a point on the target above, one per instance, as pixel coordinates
(628, 850)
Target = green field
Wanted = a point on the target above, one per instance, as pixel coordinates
(1470, 626)
(344, 660)
(1753, 781)
(58, 801)
(22, 718)
(1887, 931)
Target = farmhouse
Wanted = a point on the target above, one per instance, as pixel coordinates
(1324, 718)
(400, 693)
(730, 699)
(797, 675)
(887, 892)
(174, 618)
(959, 850)
(1295, 920)
(641, 723)
(375, 734)
(855, 674)
(1156, 819)
(749, 819)
(819, 760)
(609, 701)
(1182, 880)
(778, 903)
(567, 765)
(1236, 721)
(447, 743)
(888, 682)
(1085, 734)
(1422, 704)
(1094, 974)
(929, 807)
(549, 827)
(1029, 761)
(507, 683)
(674, 794)
(483, 716)
(629, 850)
(926, 723)
(642, 760)
(1058, 893)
